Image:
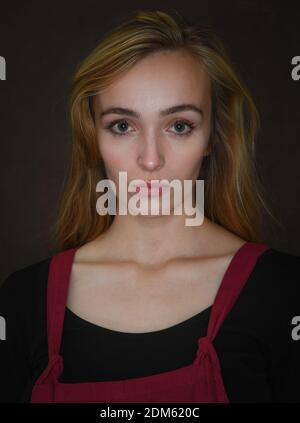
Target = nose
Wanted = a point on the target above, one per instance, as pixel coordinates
(150, 157)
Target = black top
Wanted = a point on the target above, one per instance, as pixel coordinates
(259, 357)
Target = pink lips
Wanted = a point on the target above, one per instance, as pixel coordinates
(154, 188)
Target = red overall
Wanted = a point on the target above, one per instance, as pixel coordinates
(199, 382)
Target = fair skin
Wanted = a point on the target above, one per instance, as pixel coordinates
(147, 273)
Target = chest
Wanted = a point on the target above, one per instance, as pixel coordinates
(125, 298)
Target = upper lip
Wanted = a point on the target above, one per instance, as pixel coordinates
(152, 184)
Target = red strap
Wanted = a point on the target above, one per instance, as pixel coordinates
(57, 292)
(233, 282)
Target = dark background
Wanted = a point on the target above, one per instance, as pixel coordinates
(42, 43)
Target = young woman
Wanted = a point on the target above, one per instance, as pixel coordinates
(142, 307)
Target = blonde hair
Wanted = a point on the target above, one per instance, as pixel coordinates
(232, 195)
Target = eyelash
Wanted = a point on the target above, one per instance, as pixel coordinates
(117, 134)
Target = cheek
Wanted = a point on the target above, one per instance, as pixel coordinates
(110, 155)
(114, 162)
(190, 162)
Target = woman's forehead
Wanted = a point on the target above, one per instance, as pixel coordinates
(159, 80)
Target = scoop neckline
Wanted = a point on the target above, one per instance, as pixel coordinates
(140, 334)
(226, 275)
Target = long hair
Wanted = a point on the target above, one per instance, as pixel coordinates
(232, 189)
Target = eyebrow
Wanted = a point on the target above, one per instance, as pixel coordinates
(165, 112)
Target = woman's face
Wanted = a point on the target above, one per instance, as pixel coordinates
(149, 134)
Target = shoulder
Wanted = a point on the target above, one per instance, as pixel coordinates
(274, 281)
(23, 355)
(273, 258)
(23, 293)
(270, 298)
(279, 272)
(26, 279)
(278, 284)
(267, 304)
